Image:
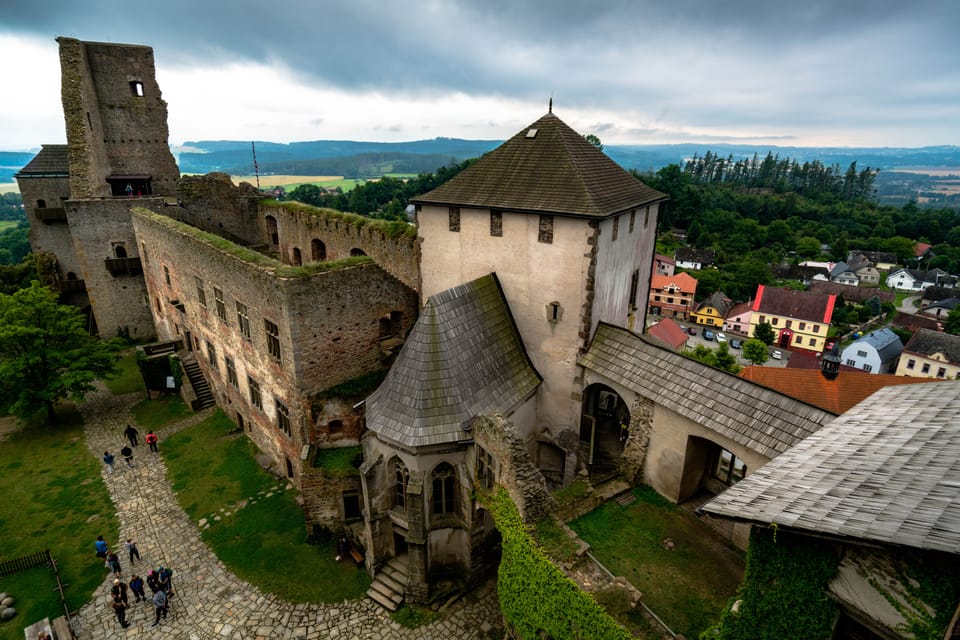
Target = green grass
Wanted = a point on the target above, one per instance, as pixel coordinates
(54, 499)
(129, 379)
(412, 616)
(7, 224)
(687, 586)
(261, 538)
(555, 541)
(338, 460)
(153, 414)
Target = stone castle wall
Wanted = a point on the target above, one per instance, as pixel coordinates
(51, 237)
(213, 203)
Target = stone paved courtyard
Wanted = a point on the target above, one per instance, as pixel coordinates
(211, 602)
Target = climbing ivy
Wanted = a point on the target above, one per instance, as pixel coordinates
(536, 598)
(783, 595)
(932, 589)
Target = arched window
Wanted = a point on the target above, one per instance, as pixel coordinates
(120, 251)
(401, 476)
(297, 256)
(444, 489)
(318, 250)
(272, 230)
(357, 252)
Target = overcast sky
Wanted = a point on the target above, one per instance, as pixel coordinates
(803, 72)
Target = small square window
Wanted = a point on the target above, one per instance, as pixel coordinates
(925, 368)
(911, 363)
(941, 372)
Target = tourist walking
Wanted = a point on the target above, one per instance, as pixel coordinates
(119, 592)
(108, 461)
(114, 563)
(101, 546)
(132, 550)
(121, 610)
(131, 434)
(153, 581)
(165, 575)
(160, 604)
(151, 440)
(136, 586)
(127, 454)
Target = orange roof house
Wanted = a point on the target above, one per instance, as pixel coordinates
(670, 333)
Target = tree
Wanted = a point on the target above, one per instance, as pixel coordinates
(46, 355)
(764, 333)
(726, 360)
(952, 324)
(594, 140)
(755, 351)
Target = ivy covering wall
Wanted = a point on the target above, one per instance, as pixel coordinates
(536, 598)
(783, 595)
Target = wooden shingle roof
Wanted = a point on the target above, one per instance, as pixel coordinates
(888, 471)
(747, 413)
(51, 161)
(546, 168)
(463, 358)
(926, 343)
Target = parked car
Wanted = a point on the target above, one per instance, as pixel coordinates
(735, 344)
(721, 337)
(692, 331)
(777, 354)
(707, 334)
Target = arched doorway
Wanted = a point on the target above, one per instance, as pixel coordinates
(785, 338)
(603, 430)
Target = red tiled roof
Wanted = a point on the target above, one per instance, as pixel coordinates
(799, 305)
(670, 333)
(809, 385)
(743, 307)
(686, 282)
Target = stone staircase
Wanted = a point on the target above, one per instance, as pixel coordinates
(389, 585)
(204, 398)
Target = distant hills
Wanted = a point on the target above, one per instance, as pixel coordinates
(356, 159)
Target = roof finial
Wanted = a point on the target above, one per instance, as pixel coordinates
(550, 106)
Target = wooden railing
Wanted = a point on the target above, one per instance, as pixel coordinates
(124, 266)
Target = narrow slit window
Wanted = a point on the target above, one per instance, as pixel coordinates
(136, 88)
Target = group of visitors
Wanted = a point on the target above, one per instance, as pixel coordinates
(160, 581)
(127, 450)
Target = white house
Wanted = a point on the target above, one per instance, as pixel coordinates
(876, 352)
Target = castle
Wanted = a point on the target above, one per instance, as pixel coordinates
(503, 319)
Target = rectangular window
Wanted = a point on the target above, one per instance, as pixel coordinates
(218, 302)
(646, 217)
(851, 362)
(789, 324)
(546, 230)
(862, 354)
(633, 218)
(774, 321)
(798, 339)
(166, 274)
(212, 355)
(763, 319)
(925, 368)
(616, 229)
(911, 363)
(453, 218)
(255, 398)
(941, 372)
(486, 469)
(816, 328)
(243, 320)
(283, 416)
(803, 326)
(730, 469)
(231, 371)
(496, 223)
(273, 339)
(201, 294)
(634, 283)
(812, 342)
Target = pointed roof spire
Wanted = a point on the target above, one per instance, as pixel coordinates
(550, 105)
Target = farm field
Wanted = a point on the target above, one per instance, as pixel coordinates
(292, 182)
(9, 187)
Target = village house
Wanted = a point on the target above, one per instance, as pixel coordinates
(663, 265)
(693, 258)
(800, 319)
(877, 352)
(672, 296)
(931, 354)
(669, 333)
(738, 319)
(712, 311)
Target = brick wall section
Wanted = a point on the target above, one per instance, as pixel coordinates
(213, 203)
(110, 130)
(322, 494)
(328, 322)
(515, 470)
(51, 237)
(298, 225)
(97, 228)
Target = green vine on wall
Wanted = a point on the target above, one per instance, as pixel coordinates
(783, 595)
(536, 598)
(931, 591)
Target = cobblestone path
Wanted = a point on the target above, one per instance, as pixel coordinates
(211, 602)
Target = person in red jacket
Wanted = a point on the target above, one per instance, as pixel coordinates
(151, 440)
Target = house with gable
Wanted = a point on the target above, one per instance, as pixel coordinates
(672, 296)
(931, 354)
(867, 274)
(885, 509)
(738, 318)
(843, 274)
(915, 280)
(941, 308)
(877, 352)
(800, 319)
(881, 260)
(663, 265)
(712, 311)
(693, 258)
(669, 333)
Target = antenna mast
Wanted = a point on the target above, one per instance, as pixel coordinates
(256, 169)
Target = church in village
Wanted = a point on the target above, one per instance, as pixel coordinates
(505, 323)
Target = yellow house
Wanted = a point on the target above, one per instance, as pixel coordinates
(712, 311)
(800, 319)
(931, 354)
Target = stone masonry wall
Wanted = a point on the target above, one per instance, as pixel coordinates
(111, 130)
(52, 237)
(515, 470)
(213, 203)
(322, 494)
(98, 227)
(298, 225)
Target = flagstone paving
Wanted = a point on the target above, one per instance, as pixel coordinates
(210, 601)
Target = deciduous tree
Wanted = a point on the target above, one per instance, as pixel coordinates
(764, 333)
(755, 351)
(46, 355)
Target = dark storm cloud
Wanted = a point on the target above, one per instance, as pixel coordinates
(772, 66)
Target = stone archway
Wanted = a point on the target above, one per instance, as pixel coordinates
(604, 427)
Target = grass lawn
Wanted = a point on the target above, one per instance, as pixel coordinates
(7, 224)
(260, 538)
(687, 586)
(129, 379)
(153, 414)
(54, 499)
